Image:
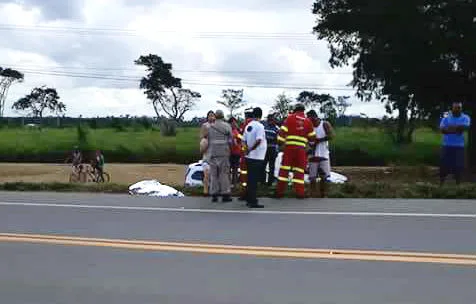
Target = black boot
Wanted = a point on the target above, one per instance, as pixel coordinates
(226, 198)
(214, 198)
(255, 205)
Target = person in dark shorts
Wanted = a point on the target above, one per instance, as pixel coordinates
(453, 147)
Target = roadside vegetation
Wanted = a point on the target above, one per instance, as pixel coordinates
(354, 146)
(369, 190)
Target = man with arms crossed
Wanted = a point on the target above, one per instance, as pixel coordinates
(452, 151)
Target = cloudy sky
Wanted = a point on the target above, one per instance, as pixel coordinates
(86, 48)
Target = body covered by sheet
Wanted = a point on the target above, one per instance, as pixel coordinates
(154, 188)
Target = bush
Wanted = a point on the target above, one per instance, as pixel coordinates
(93, 124)
(168, 127)
(117, 125)
(146, 123)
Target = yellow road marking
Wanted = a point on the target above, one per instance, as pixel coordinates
(276, 252)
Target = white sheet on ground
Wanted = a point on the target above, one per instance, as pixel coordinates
(335, 178)
(154, 188)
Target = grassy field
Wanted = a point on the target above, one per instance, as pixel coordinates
(352, 147)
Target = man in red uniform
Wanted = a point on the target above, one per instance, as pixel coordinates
(296, 132)
(243, 168)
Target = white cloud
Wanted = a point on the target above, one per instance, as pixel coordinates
(115, 33)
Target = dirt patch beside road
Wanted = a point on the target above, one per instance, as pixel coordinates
(120, 173)
(173, 174)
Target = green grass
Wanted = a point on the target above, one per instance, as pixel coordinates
(349, 190)
(371, 146)
(352, 146)
(64, 187)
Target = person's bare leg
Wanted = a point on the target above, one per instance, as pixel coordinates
(205, 182)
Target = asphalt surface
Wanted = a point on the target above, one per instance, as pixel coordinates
(33, 273)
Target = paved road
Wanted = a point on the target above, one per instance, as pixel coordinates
(38, 273)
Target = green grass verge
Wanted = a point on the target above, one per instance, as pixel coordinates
(349, 190)
(352, 146)
(64, 187)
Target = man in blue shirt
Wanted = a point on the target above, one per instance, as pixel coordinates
(453, 149)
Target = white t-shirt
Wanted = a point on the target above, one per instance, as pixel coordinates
(254, 131)
(322, 148)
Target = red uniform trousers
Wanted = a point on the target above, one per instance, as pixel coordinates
(295, 160)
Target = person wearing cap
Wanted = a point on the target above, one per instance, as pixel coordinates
(319, 158)
(271, 130)
(295, 134)
(255, 146)
(220, 139)
(453, 127)
(243, 168)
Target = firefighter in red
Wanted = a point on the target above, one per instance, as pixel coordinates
(243, 168)
(296, 132)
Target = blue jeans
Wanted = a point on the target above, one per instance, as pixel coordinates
(452, 162)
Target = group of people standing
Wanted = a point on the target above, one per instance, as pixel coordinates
(255, 144)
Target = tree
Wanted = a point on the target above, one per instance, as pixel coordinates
(342, 104)
(454, 38)
(390, 51)
(39, 100)
(416, 56)
(232, 100)
(7, 78)
(164, 90)
(179, 102)
(282, 106)
(326, 103)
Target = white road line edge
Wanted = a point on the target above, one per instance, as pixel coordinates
(183, 209)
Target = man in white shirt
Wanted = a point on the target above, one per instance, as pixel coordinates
(319, 160)
(254, 140)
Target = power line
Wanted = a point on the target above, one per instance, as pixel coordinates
(112, 29)
(126, 32)
(194, 82)
(50, 68)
